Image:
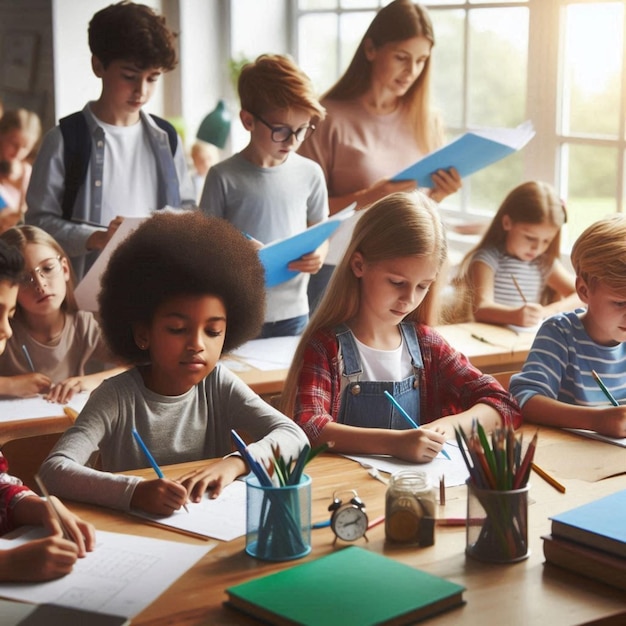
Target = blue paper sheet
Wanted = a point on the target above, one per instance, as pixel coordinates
(469, 153)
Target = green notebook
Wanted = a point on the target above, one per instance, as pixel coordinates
(350, 586)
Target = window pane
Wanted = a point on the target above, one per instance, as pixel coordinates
(352, 28)
(592, 68)
(447, 66)
(359, 4)
(317, 4)
(497, 66)
(317, 54)
(489, 186)
(591, 189)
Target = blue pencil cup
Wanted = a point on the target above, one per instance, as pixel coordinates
(278, 520)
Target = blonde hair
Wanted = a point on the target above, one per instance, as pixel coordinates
(23, 120)
(20, 236)
(532, 202)
(398, 21)
(400, 225)
(599, 254)
(274, 81)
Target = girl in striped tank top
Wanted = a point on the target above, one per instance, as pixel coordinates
(514, 275)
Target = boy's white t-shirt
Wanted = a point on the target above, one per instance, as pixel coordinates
(130, 173)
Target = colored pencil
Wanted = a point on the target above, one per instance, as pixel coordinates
(605, 391)
(52, 508)
(70, 412)
(408, 419)
(519, 289)
(27, 355)
(150, 458)
(549, 479)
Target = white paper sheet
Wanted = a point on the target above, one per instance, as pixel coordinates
(12, 410)
(86, 291)
(263, 354)
(454, 470)
(122, 576)
(223, 518)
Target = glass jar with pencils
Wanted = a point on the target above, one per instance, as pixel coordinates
(410, 509)
(497, 494)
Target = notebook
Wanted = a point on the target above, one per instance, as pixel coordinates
(600, 524)
(585, 561)
(352, 585)
(20, 614)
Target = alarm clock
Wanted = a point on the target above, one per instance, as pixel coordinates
(348, 520)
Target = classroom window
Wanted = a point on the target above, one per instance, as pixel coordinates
(559, 63)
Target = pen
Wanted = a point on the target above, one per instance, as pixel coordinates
(256, 468)
(409, 420)
(519, 289)
(52, 507)
(27, 355)
(602, 386)
(549, 479)
(150, 458)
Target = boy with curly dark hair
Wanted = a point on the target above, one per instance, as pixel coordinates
(111, 160)
(176, 293)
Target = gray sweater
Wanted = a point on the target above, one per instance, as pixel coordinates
(176, 429)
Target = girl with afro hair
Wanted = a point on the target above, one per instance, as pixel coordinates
(177, 292)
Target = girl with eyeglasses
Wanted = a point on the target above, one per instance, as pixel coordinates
(55, 350)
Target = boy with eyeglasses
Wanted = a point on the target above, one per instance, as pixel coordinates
(268, 190)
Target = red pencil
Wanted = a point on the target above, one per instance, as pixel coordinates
(521, 477)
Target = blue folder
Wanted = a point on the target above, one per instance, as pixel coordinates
(276, 256)
(469, 153)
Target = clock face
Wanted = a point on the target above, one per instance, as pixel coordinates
(349, 523)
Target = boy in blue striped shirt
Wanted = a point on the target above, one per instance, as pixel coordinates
(556, 386)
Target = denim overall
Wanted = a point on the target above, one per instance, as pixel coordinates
(364, 403)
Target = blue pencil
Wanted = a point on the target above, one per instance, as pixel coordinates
(148, 455)
(27, 355)
(604, 389)
(409, 420)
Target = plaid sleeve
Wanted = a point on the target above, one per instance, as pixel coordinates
(452, 384)
(11, 490)
(318, 395)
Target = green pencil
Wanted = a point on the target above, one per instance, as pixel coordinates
(602, 386)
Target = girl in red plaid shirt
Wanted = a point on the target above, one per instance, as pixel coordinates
(368, 336)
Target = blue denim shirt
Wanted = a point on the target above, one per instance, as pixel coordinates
(47, 182)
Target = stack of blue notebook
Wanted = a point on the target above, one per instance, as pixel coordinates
(591, 540)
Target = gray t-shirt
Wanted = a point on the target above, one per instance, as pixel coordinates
(176, 429)
(270, 203)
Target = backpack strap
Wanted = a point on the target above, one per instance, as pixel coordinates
(172, 135)
(76, 154)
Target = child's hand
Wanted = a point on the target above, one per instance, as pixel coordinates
(213, 477)
(27, 385)
(445, 183)
(42, 559)
(64, 391)
(611, 421)
(529, 315)
(310, 263)
(82, 533)
(160, 496)
(419, 445)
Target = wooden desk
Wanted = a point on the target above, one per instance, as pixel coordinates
(490, 348)
(525, 593)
